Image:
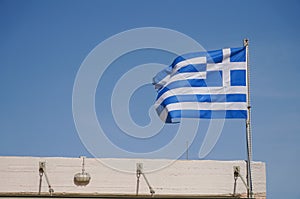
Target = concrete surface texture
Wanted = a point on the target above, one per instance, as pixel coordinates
(20, 175)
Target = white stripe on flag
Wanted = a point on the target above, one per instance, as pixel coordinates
(207, 106)
(186, 76)
(221, 66)
(202, 91)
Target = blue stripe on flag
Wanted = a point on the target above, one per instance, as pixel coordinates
(236, 97)
(205, 98)
(192, 68)
(174, 116)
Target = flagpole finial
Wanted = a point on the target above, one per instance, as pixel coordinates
(246, 42)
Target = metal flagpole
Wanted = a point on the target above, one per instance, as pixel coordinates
(248, 124)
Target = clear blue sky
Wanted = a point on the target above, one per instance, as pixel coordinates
(43, 43)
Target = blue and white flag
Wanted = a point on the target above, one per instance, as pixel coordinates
(209, 84)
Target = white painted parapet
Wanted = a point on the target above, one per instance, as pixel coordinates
(20, 175)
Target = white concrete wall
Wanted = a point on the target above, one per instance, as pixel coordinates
(183, 177)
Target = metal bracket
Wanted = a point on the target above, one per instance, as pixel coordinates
(236, 174)
(139, 172)
(42, 171)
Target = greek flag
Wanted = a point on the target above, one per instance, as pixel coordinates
(208, 85)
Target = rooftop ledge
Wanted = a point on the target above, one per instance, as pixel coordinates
(116, 178)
